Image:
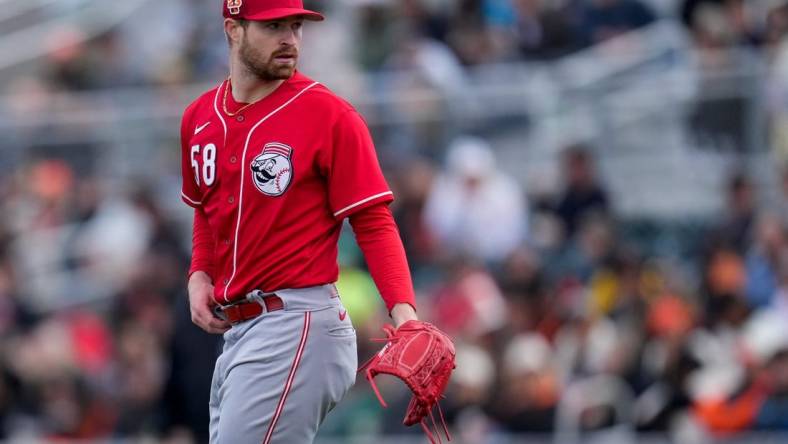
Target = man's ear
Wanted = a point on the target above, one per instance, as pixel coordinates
(233, 30)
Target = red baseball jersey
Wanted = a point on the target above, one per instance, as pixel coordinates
(276, 181)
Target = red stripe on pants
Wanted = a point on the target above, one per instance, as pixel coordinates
(290, 378)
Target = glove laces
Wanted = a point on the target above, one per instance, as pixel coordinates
(435, 438)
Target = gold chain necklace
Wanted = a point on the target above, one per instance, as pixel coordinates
(224, 101)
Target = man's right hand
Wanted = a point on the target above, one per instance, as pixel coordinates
(201, 304)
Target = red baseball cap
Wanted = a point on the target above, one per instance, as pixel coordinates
(268, 10)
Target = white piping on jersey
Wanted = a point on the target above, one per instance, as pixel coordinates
(241, 193)
(361, 202)
(216, 109)
(194, 202)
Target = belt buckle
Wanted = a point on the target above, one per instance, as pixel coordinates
(257, 296)
(218, 311)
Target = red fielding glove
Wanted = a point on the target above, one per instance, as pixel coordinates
(422, 356)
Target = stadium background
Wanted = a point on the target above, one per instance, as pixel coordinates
(593, 195)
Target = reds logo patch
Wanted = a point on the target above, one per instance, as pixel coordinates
(234, 6)
(272, 170)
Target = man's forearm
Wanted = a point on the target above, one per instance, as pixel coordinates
(199, 278)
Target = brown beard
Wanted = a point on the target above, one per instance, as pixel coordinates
(266, 70)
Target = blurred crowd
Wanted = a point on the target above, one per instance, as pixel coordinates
(96, 336)
(564, 322)
(564, 319)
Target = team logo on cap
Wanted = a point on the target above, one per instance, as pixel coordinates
(272, 170)
(234, 6)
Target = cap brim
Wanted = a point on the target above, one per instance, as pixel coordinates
(280, 13)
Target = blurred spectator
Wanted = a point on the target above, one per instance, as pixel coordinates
(184, 401)
(470, 37)
(531, 304)
(141, 376)
(376, 35)
(605, 19)
(753, 397)
(429, 18)
(474, 209)
(472, 385)
(412, 187)
(763, 260)
(590, 249)
(69, 68)
(583, 196)
(734, 229)
(666, 363)
(773, 413)
(500, 18)
(616, 291)
(530, 386)
(11, 314)
(543, 30)
(725, 282)
(470, 303)
(719, 28)
(719, 23)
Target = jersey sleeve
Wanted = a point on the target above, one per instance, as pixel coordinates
(355, 180)
(190, 190)
(203, 245)
(379, 239)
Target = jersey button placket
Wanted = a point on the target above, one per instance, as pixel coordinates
(231, 199)
(233, 159)
(240, 118)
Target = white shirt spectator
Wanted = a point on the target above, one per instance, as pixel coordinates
(473, 208)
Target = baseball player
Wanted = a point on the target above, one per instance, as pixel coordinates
(273, 162)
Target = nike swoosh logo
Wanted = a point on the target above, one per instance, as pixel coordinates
(342, 315)
(200, 128)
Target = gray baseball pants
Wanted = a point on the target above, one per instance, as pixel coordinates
(281, 373)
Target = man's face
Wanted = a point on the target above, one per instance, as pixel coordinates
(269, 49)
